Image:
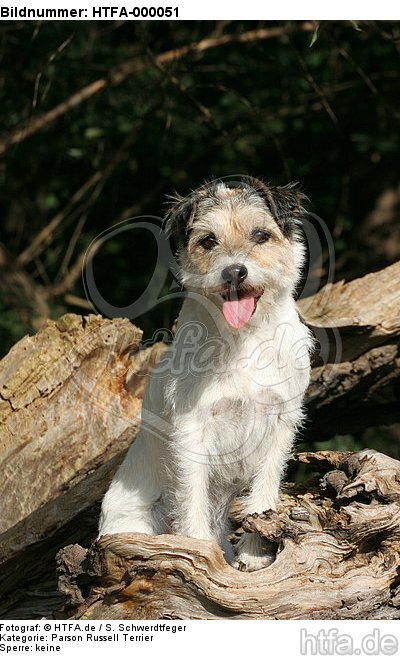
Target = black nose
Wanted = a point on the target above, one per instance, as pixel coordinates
(234, 274)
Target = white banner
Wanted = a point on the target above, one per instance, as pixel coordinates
(192, 10)
(308, 638)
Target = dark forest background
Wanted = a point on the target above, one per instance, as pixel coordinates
(101, 120)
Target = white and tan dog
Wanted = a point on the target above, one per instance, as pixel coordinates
(223, 405)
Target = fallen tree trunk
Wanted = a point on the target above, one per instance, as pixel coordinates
(337, 546)
(355, 382)
(70, 402)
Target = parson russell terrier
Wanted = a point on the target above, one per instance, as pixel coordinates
(223, 405)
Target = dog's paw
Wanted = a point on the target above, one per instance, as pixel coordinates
(252, 554)
(252, 563)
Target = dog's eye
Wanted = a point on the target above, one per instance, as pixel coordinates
(260, 236)
(208, 242)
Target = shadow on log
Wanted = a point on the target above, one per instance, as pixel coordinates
(355, 381)
(337, 557)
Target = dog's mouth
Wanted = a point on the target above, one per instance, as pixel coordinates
(239, 305)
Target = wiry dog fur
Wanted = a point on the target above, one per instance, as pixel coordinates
(223, 405)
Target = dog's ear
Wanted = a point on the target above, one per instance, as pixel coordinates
(287, 207)
(179, 217)
(286, 203)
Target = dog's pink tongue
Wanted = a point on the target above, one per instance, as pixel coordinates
(237, 312)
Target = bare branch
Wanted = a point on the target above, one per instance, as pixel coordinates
(131, 67)
(46, 235)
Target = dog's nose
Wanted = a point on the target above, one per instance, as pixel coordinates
(234, 274)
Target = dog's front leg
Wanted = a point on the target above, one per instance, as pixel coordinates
(190, 469)
(192, 513)
(130, 503)
(252, 550)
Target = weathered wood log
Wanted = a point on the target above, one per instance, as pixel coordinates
(337, 557)
(66, 418)
(70, 402)
(358, 327)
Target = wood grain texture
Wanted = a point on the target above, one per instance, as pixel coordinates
(335, 559)
(355, 380)
(65, 415)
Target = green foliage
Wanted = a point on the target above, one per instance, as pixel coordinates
(318, 106)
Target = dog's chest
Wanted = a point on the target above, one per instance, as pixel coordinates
(259, 371)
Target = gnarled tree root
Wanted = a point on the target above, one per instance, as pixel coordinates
(337, 542)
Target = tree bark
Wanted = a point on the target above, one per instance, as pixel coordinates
(355, 381)
(70, 400)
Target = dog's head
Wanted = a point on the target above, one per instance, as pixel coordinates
(239, 244)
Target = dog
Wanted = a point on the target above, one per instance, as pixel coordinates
(223, 405)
